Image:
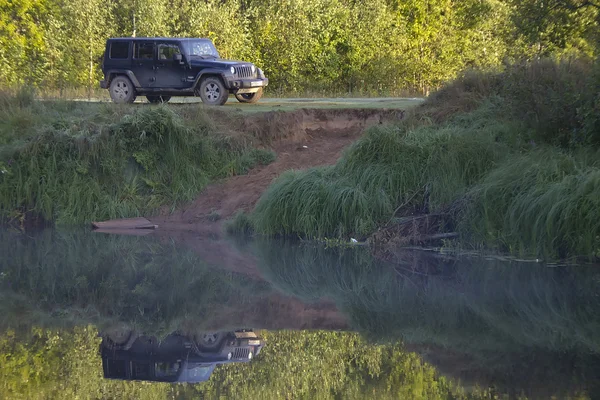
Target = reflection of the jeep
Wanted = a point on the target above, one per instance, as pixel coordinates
(176, 358)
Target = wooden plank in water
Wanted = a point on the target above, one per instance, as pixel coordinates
(128, 232)
(125, 223)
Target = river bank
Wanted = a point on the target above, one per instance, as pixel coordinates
(507, 162)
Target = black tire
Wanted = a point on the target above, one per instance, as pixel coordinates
(212, 91)
(210, 341)
(119, 338)
(122, 90)
(249, 97)
(158, 99)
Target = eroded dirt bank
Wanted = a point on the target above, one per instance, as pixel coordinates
(302, 139)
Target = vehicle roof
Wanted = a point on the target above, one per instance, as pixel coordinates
(156, 38)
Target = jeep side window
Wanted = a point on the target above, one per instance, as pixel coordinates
(119, 50)
(167, 51)
(143, 50)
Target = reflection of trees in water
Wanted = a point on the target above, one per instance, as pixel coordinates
(468, 316)
(304, 364)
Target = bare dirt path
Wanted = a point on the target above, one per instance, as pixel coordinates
(312, 138)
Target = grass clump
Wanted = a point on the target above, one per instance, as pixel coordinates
(545, 202)
(241, 223)
(511, 155)
(253, 158)
(73, 167)
(384, 169)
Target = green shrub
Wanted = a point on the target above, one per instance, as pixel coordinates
(556, 101)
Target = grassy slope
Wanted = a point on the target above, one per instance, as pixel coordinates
(75, 162)
(513, 157)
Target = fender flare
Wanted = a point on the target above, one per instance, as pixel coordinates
(114, 72)
(211, 71)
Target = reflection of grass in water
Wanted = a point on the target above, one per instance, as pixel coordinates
(81, 276)
(471, 305)
(513, 325)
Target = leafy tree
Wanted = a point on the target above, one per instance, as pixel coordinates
(369, 46)
(22, 45)
(548, 27)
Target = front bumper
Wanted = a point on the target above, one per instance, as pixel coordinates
(245, 85)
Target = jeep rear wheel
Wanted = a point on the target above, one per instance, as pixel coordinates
(249, 97)
(158, 99)
(122, 90)
(212, 91)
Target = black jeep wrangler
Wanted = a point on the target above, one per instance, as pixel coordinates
(159, 68)
(175, 358)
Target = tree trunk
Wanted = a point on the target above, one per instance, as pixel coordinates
(91, 70)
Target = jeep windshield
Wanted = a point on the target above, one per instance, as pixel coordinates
(200, 48)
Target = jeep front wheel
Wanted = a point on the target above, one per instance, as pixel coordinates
(212, 91)
(209, 341)
(122, 90)
(158, 99)
(250, 97)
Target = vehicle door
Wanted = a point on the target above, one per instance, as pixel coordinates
(169, 72)
(142, 63)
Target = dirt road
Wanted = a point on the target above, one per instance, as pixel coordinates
(303, 138)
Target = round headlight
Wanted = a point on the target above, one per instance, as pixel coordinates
(229, 355)
(253, 69)
(250, 356)
(232, 70)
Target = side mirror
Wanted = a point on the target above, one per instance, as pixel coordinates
(178, 58)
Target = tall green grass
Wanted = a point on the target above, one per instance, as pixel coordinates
(76, 165)
(545, 202)
(384, 169)
(512, 156)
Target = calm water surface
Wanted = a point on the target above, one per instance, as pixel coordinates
(102, 315)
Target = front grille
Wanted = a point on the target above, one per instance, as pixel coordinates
(243, 71)
(241, 353)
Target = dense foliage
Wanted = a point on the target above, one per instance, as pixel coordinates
(74, 163)
(512, 157)
(318, 45)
